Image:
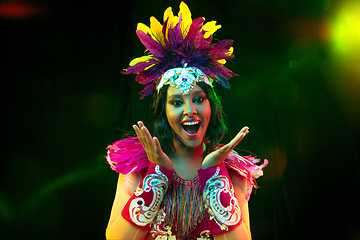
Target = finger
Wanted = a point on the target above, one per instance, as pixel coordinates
(137, 131)
(141, 131)
(157, 145)
(140, 123)
(223, 151)
(139, 134)
(147, 137)
(236, 140)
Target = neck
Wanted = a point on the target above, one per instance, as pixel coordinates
(186, 161)
(189, 153)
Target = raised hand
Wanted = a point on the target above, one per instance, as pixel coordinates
(152, 147)
(217, 157)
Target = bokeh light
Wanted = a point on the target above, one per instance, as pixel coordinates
(343, 76)
(19, 10)
(346, 30)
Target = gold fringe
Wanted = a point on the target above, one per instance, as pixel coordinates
(183, 205)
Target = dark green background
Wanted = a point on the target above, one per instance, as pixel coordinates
(64, 100)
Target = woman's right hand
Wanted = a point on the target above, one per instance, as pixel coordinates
(152, 147)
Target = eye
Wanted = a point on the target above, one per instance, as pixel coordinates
(176, 103)
(198, 99)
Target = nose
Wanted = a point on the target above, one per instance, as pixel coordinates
(190, 109)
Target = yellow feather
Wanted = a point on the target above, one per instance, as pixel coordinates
(149, 66)
(156, 29)
(222, 61)
(168, 14)
(186, 18)
(231, 50)
(143, 27)
(140, 59)
(175, 21)
(210, 28)
(155, 25)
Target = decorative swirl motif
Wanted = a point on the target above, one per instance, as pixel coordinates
(223, 215)
(160, 229)
(158, 184)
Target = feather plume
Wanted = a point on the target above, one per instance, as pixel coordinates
(177, 41)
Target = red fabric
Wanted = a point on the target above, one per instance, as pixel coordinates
(214, 178)
(128, 155)
(149, 194)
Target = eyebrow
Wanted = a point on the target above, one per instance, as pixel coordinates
(180, 95)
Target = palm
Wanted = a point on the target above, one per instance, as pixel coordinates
(152, 147)
(217, 157)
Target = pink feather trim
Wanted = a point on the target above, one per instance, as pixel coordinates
(128, 155)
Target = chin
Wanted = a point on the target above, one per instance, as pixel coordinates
(192, 143)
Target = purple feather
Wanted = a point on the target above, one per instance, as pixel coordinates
(148, 90)
(194, 49)
(139, 67)
(226, 43)
(195, 29)
(153, 46)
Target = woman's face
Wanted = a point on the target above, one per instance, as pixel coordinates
(188, 115)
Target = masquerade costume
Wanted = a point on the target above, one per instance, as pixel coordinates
(199, 207)
(180, 54)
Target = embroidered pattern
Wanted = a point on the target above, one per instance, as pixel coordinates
(159, 228)
(158, 184)
(223, 215)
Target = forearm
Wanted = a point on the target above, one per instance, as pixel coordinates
(120, 229)
(239, 233)
(131, 218)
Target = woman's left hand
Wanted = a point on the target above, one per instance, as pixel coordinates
(217, 157)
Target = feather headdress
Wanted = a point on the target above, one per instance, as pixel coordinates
(178, 42)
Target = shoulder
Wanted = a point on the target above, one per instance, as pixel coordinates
(127, 156)
(238, 181)
(243, 172)
(133, 180)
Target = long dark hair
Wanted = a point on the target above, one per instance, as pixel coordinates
(163, 131)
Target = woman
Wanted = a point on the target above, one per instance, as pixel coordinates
(181, 184)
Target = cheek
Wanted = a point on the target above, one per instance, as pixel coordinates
(168, 114)
(207, 112)
(171, 116)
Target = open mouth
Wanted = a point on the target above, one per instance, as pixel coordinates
(191, 127)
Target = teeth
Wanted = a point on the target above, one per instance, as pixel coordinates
(191, 123)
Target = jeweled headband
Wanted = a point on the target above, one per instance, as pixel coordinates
(180, 53)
